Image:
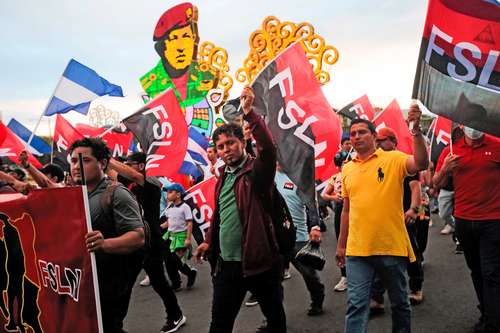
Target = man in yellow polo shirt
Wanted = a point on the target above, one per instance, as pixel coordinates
(373, 237)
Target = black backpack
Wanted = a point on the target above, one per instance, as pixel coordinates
(106, 202)
(284, 229)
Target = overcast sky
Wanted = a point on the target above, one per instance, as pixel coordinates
(378, 42)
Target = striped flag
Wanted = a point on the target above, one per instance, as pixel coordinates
(79, 85)
(37, 145)
(196, 154)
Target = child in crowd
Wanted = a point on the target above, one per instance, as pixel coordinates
(179, 226)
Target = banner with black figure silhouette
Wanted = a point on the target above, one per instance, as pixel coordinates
(47, 278)
(458, 71)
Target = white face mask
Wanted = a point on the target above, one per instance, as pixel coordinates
(472, 133)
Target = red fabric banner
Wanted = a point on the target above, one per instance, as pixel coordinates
(117, 142)
(202, 196)
(64, 135)
(392, 117)
(162, 132)
(458, 70)
(11, 146)
(359, 108)
(307, 106)
(46, 268)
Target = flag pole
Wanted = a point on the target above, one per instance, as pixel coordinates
(46, 106)
(51, 144)
(432, 129)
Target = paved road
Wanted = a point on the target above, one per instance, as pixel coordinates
(449, 306)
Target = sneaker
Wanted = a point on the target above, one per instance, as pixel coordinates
(459, 249)
(416, 297)
(173, 325)
(145, 282)
(447, 230)
(251, 301)
(315, 310)
(287, 274)
(376, 308)
(341, 285)
(191, 278)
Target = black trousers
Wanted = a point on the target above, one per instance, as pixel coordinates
(481, 244)
(152, 262)
(422, 226)
(415, 269)
(337, 211)
(311, 277)
(230, 287)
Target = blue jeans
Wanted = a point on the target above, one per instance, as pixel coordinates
(361, 272)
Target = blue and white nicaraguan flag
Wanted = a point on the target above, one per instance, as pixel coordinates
(37, 146)
(78, 87)
(196, 155)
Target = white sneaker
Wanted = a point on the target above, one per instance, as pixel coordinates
(145, 282)
(287, 274)
(447, 230)
(342, 285)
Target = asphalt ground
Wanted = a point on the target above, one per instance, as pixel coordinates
(449, 300)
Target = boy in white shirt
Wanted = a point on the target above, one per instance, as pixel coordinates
(179, 226)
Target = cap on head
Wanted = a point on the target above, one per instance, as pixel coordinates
(387, 133)
(174, 187)
(175, 17)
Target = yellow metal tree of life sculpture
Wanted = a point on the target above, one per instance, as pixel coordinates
(275, 36)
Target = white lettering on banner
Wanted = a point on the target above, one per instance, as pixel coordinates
(280, 78)
(458, 52)
(50, 274)
(160, 133)
(443, 137)
(204, 209)
(151, 159)
(117, 150)
(380, 126)
(358, 108)
(6, 152)
(61, 144)
(290, 120)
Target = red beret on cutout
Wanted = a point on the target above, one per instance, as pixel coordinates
(178, 16)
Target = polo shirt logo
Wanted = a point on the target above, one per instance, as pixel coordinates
(288, 186)
(380, 175)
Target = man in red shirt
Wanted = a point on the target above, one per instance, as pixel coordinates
(475, 168)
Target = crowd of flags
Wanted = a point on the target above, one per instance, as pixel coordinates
(310, 135)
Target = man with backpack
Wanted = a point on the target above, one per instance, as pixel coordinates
(112, 240)
(243, 250)
(147, 191)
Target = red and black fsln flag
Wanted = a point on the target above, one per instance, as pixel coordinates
(458, 71)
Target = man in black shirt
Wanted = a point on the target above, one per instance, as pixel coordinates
(148, 193)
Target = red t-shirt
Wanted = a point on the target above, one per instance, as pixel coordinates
(477, 179)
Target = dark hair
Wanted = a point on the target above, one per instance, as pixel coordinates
(54, 171)
(228, 130)
(99, 149)
(138, 157)
(344, 139)
(368, 123)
